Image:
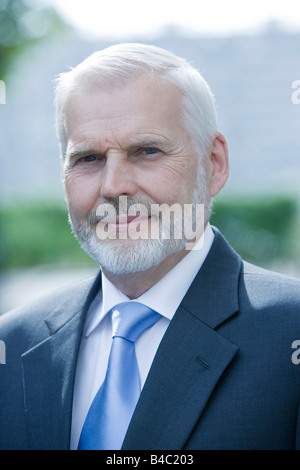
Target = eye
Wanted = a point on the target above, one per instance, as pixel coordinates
(88, 158)
(150, 151)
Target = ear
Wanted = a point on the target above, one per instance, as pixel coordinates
(218, 164)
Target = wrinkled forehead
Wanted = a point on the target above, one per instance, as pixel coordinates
(93, 83)
(144, 101)
(106, 80)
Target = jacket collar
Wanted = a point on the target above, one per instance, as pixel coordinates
(213, 296)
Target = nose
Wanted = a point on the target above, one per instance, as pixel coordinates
(118, 178)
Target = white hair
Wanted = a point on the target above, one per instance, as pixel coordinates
(108, 68)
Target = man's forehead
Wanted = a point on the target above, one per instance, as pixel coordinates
(142, 89)
(143, 108)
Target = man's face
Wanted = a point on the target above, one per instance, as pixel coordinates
(128, 142)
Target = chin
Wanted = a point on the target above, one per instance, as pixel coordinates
(122, 257)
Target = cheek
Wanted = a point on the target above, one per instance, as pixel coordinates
(82, 193)
(172, 183)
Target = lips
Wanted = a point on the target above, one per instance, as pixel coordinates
(123, 221)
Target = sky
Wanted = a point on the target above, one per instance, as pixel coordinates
(124, 19)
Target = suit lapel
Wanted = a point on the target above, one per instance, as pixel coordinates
(49, 371)
(191, 358)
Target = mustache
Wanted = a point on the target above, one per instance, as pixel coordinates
(120, 206)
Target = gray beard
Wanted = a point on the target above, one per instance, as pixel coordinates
(120, 256)
(126, 256)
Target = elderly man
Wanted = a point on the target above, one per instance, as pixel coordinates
(178, 343)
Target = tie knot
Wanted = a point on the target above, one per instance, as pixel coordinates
(130, 319)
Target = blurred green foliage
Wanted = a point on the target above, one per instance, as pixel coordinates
(22, 22)
(260, 229)
(35, 233)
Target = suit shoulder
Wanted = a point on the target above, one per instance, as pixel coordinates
(266, 275)
(269, 287)
(31, 315)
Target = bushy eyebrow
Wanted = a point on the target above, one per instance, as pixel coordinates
(149, 142)
(144, 143)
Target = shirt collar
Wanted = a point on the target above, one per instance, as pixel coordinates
(165, 296)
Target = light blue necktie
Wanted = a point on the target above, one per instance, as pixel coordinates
(112, 408)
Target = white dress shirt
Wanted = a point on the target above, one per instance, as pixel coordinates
(164, 297)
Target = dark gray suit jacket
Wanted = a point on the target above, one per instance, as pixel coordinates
(222, 378)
